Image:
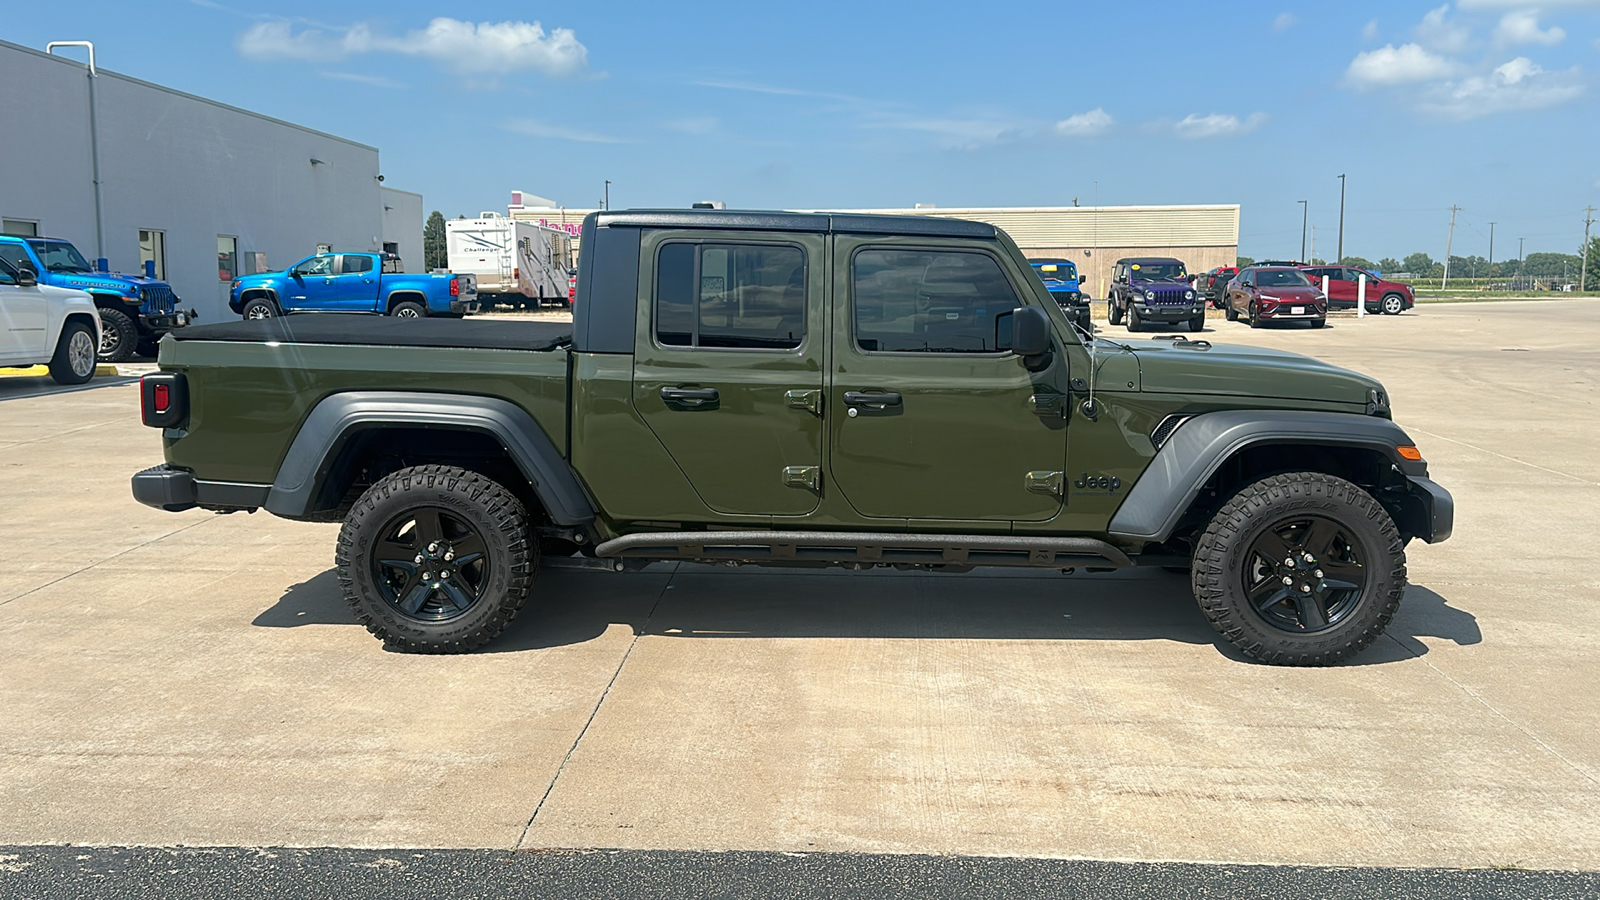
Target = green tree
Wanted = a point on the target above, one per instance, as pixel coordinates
(1552, 265)
(434, 254)
(1592, 282)
(1390, 264)
(1246, 262)
(1422, 266)
(1358, 262)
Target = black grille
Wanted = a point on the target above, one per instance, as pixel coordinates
(1165, 429)
(1165, 296)
(159, 299)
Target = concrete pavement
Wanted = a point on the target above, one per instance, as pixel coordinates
(195, 679)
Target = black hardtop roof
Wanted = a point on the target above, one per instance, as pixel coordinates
(1150, 259)
(773, 220)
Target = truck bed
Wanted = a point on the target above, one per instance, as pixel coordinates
(368, 330)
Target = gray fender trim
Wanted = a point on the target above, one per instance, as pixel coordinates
(1203, 443)
(337, 417)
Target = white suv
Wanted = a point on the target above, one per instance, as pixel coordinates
(44, 324)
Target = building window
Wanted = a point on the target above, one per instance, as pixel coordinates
(153, 248)
(19, 227)
(227, 257)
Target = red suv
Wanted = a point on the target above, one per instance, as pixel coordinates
(1273, 293)
(1388, 297)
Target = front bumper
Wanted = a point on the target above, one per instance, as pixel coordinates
(1169, 313)
(161, 323)
(1430, 511)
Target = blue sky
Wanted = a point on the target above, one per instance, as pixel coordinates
(1489, 104)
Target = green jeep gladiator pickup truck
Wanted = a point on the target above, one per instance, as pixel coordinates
(798, 390)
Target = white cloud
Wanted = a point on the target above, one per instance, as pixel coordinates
(1217, 125)
(485, 47)
(536, 128)
(1390, 65)
(1437, 32)
(376, 81)
(694, 124)
(1522, 27)
(1369, 31)
(1284, 22)
(1531, 4)
(1085, 124)
(1514, 86)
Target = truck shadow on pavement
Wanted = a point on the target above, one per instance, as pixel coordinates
(710, 603)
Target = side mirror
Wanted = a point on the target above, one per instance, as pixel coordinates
(27, 277)
(1030, 333)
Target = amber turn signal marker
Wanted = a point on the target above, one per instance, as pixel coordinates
(1410, 453)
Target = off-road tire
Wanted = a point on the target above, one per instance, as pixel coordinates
(498, 518)
(118, 335)
(73, 362)
(1114, 312)
(260, 308)
(1392, 304)
(1224, 551)
(407, 309)
(1198, 323)
(1135, 323)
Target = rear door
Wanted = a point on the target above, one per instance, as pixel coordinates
(355, 286)
(23, 317)
(728, 364)
(929, 416)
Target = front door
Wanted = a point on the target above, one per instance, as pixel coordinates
(310, 283)
(930, 417)
(728, 369)
(24, 315)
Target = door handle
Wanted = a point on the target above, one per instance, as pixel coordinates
(874, 400)
(693, 398)
(367, 280)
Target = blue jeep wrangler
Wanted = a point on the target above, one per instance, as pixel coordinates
(135, 311)
(1060, 278)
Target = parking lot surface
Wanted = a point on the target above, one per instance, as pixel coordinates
(196, 679)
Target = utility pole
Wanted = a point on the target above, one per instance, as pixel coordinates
(1491, 249)
(1519, 260)
(1303, 213)
(1340, 260)
(1447, 242)
(1583, 275)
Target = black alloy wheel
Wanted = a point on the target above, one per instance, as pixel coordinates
(1302, 569)
(436, 559)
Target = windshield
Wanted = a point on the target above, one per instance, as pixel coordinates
(1281, 278)
(1155, 271)
(1057, 269)
(59, 256)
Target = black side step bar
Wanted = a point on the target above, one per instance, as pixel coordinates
(867, 548)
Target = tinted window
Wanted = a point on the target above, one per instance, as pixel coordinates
(1154, 270)
(730, 295)
(1282, 278)
(316, 265)
(355, 265)
(15, 255)
(929, 301)
(7, 273)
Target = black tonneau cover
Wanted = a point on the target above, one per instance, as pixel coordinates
(365, 330)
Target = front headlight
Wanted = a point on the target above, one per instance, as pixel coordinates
(1188, 295)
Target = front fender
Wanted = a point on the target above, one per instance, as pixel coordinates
(1200, 446)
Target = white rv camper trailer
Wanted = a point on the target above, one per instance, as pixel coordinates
(518, 264)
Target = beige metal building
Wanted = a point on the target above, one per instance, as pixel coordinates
(1094, 237)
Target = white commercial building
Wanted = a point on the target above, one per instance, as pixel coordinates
(199, 189)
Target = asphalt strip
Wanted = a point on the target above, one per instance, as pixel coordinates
(45, 872)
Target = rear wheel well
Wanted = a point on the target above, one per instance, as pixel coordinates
(369, 454)
(1365, 467)
(399, 297)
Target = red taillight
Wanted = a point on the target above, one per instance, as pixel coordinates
(163, 397)
(455, 287)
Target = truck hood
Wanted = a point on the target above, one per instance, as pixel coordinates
(88, 281)
(1169, 367)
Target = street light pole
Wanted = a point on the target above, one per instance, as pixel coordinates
(1491, 249)
(1304, 209)
(1340, 260)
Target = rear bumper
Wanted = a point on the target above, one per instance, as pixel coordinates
(463, 307)
(176, 490)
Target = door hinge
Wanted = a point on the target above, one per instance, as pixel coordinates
(809, 477)
(1051, 483)
(1048, 404)
(807, 400)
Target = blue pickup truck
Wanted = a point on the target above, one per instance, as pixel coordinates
(353, 283)
(1060, 277)
(135, 311)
